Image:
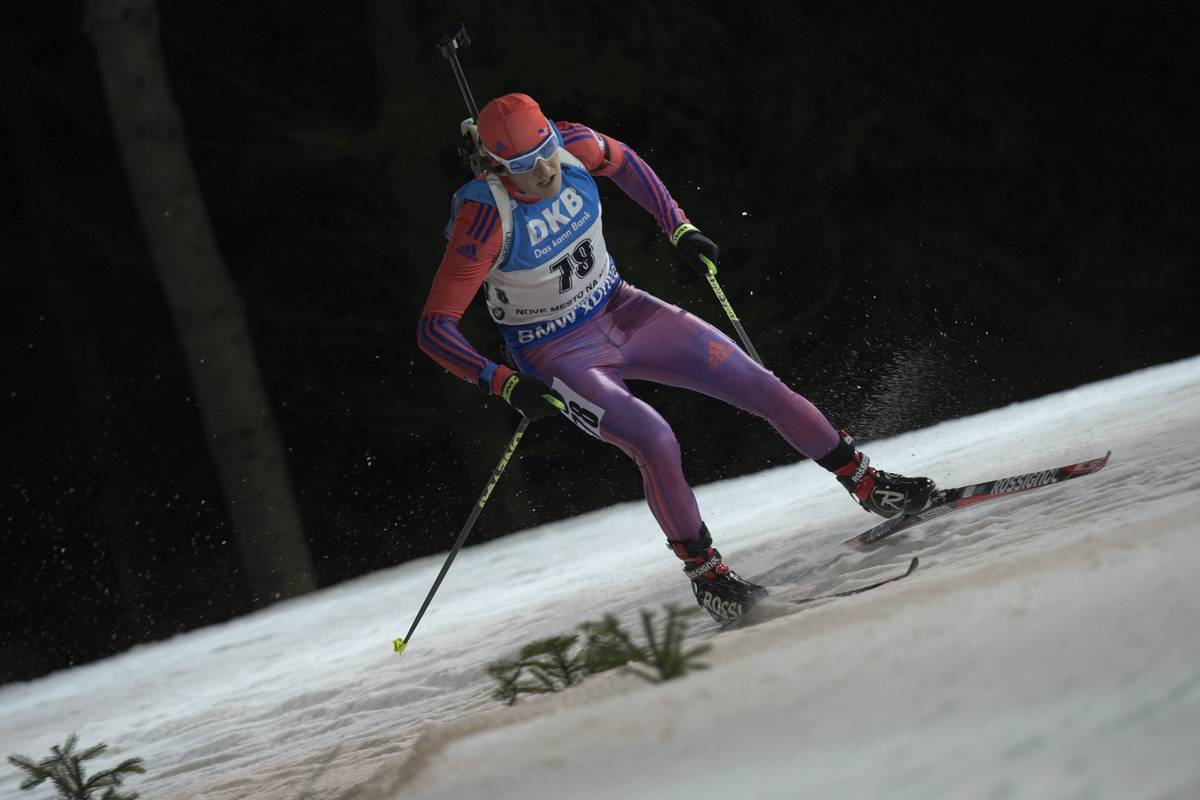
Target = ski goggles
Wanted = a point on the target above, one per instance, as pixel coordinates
(527, 161)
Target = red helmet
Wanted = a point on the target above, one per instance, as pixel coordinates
(512, 124)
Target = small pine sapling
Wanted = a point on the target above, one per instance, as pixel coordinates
(507, 675)
(665, 654)
(608, 646)
(551, 662)
(544, 666)
(549, 665)
(65, 770)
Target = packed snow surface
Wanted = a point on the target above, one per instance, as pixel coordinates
(1048, 646)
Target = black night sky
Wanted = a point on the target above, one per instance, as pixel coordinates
(925, 211)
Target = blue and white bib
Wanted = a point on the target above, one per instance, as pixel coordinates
(557, 273)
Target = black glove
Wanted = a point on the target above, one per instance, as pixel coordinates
(529, 395)
(691, 244)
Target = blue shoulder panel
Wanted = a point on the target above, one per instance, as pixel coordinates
(477, 190)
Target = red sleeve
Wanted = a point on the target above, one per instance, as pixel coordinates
(602, 155)
(475, 239)
(474, 244)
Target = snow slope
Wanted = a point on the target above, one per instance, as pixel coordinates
(1048, 647)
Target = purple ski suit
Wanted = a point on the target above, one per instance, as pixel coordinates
(570, 319)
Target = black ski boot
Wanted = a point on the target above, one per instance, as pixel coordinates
(885, 493)
(720, 591)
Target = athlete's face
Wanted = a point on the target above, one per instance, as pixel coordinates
(544, 180)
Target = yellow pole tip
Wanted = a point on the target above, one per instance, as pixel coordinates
(398, 645)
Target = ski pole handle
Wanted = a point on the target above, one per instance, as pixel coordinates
(724, 301)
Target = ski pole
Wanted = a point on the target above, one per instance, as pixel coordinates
(724, 301)
(449, 46)
(399, 644)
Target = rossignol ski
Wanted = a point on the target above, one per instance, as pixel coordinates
(947, 500)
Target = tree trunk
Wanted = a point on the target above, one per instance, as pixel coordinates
(243, 439)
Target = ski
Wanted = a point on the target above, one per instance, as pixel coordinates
(912, 565)
(948, 500)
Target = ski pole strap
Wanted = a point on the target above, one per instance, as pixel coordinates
(678, 234)
(507, 389)
(510, 384)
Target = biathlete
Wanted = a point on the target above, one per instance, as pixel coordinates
(528, 230)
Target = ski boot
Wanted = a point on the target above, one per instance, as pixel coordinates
(885, 493)
(720, 591)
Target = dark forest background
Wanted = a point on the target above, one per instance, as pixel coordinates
(925, 211)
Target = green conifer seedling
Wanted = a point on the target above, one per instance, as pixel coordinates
(552, 664)
(507, 675)
(64, 768)
(665, 653)
(544, 666)
(609, 646)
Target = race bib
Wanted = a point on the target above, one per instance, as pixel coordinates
(581, 411)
